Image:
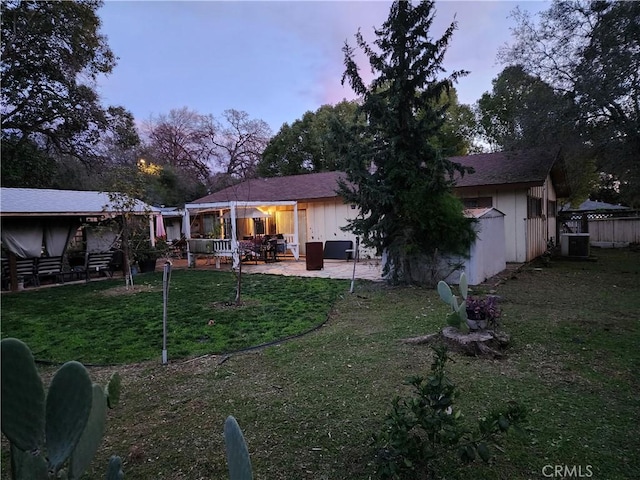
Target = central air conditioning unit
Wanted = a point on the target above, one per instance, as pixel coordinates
(574, 245)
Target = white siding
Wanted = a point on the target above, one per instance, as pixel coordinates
(325, 219)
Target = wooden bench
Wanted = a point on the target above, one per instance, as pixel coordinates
(99, 263)
(49, 267)
(25, 269)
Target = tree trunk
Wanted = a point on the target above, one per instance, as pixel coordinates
(485, 343)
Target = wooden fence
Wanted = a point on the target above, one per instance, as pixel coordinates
(615, 228)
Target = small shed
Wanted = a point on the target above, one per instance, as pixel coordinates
(487, 256)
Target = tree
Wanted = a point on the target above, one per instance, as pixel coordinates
(399, 180)
(52, 53)
(313, 143)
(522, 112)
(239, 143)
(590, 52)
(217, 153)
(309, 144)
(456, 136)
(182, 139)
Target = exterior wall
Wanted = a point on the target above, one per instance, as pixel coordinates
(324, 220)
(486, 255)
(513, 203)
(525, 238)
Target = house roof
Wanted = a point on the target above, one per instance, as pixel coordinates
(49, 202)
(500, 169)
(489, 212)
(512, 168)
(591, 205)
(310, 186)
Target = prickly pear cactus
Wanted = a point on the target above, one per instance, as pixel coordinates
(237, 452)
(63, 428)
(68, 406)
(23, 400)
(114, 470)
(91, 436)
(458, 316)
(112, 390)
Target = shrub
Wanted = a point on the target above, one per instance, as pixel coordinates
(426, 426)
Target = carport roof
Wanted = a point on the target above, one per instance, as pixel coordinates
(49, 202)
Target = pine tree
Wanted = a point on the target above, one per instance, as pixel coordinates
(399, 180)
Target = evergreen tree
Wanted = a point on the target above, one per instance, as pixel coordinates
(399, 180)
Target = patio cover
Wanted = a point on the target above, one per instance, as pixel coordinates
(234, 210)
(33, 217)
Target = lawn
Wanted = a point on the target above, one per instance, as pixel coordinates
(309, 406)
(104, 323)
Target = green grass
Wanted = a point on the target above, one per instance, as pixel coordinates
(308, 407)
(102, 323)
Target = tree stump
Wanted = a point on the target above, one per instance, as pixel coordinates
(483, 343)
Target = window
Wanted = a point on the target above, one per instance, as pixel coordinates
(478, 202)
(552, 207)
(534, 207)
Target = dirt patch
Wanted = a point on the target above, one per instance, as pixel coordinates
(232, 305)
(123, 290)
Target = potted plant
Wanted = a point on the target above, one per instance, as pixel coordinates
(476, 312)
(482, 312)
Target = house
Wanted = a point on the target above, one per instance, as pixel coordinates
(300, 208)
(306, 208)
(526, 187)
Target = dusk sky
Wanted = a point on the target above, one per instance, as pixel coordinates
(273, 59)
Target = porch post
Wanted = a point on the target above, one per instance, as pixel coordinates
(234, 237)
(186, 231)
(295, 230)
(152, 230)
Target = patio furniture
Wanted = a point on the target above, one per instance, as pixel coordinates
(49, 267)
(338, 249)
(25, 271)
(99, 263)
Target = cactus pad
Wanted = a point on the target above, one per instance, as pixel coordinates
(114, 470)
(67, 410)
(237, 452)
(112, 390)
(91, 436)
(22, 396)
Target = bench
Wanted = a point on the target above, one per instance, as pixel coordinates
(49, 267)
(99, 263)
(25, 269)
(338, 249)
(211, 247)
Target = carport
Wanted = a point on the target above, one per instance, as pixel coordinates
(37, 224)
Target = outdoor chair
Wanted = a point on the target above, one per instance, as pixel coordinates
(25, 270)
(99, 263)
(49, 267)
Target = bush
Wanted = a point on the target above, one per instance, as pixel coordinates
(427, 426)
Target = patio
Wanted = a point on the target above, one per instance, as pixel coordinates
(366, 269)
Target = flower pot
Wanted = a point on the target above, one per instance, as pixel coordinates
(472, 324)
